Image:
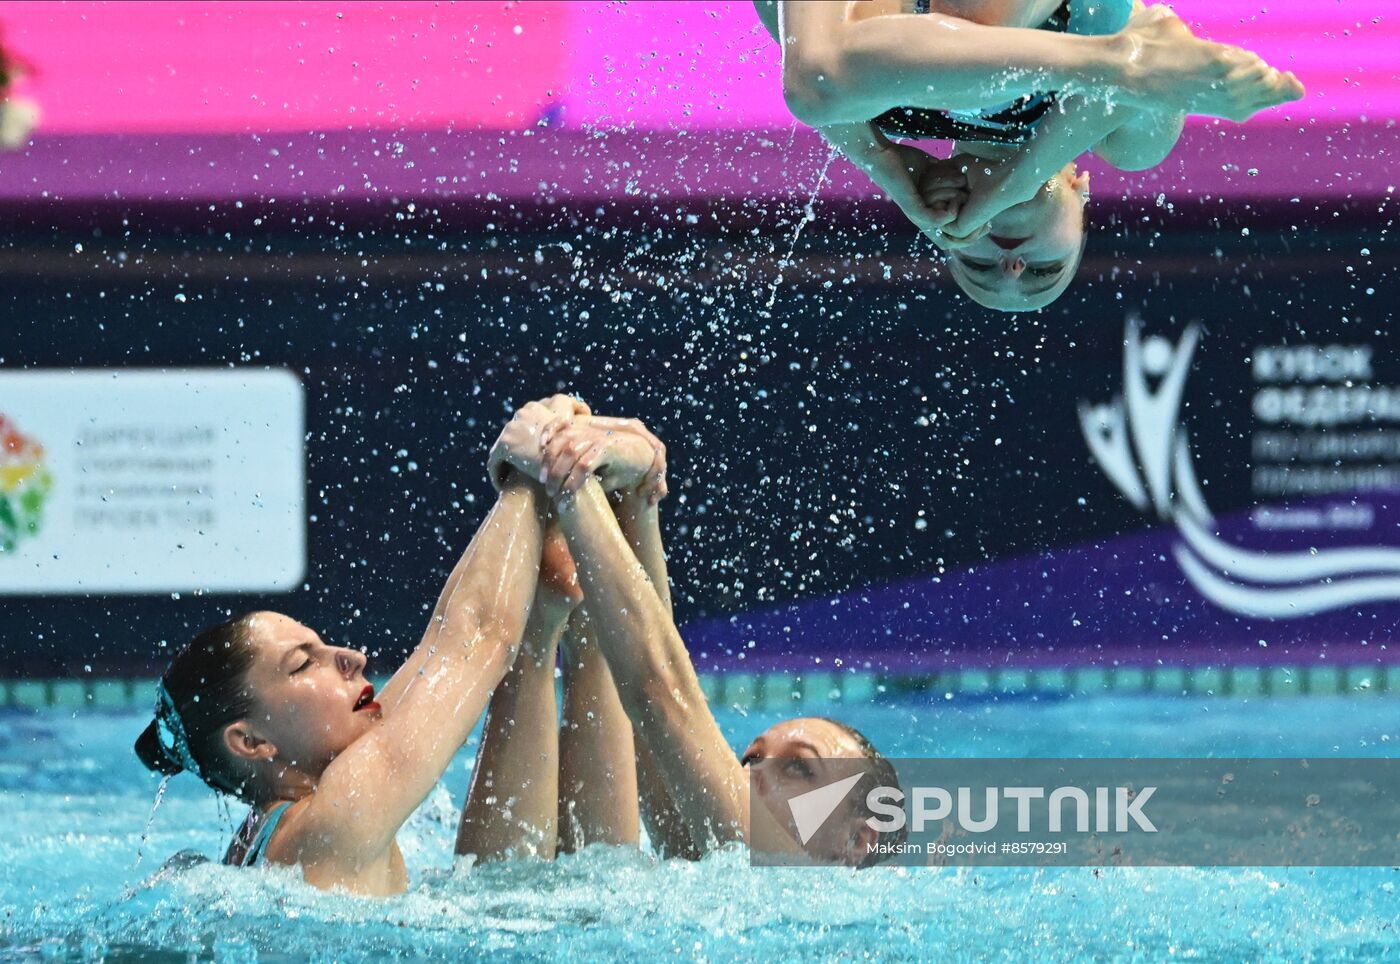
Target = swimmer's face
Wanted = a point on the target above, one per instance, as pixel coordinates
(308, 698)
(1032, 250)
(796, 756)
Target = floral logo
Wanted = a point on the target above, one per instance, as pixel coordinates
(24, 485)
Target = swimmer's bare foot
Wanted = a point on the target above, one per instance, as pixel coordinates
(1170, 68)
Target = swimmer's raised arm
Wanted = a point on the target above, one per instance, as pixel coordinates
(701, 783)
(366, 793)
(656, 680)
(1128, 138)
(524, 425)
(651, 668)
(636, 506)
(598, 801)
(639, 519)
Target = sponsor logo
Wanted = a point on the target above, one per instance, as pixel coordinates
(1140, 443)
(25, 483)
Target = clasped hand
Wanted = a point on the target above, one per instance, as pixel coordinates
(561, 444)
(951, 200)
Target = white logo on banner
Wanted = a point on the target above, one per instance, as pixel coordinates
(1139, 442)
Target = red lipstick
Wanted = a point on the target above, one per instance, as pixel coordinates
(366, 700)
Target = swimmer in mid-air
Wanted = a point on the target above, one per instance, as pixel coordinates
(1020, 105)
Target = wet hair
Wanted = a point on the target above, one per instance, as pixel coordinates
(880, 773)
(202, 691)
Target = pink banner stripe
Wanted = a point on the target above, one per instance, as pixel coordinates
(1267, 162)
(238, 67)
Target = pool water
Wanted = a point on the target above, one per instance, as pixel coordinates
(74, 803)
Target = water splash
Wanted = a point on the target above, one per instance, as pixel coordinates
(150, 820)
(70, 893)
(808, 214)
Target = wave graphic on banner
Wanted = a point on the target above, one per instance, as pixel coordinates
(1138, 441)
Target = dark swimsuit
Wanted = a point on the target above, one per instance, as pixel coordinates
(254, 851)
(1012, 124)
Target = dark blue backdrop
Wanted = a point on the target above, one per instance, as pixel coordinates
(871, 427)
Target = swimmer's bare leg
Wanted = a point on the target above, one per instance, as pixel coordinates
(513, 801)
(597, 775)
(838, 70)
(666, 827)
(639, 518)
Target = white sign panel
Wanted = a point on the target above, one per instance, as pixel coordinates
(144, 481)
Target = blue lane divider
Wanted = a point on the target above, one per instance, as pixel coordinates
(820, 688)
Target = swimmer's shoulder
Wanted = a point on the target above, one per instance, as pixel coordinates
(287, 844)
(298, 841)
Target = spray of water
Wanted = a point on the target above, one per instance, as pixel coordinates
(150, 819)
(808, 214)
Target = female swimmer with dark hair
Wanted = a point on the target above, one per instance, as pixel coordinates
(264, 709)
(1022, 89)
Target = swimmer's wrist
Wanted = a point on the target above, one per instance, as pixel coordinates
(516, 488)
(634, 504)
(861, 143)
(511, 479)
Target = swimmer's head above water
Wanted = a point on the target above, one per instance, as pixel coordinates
(800, 755)
(256, 704)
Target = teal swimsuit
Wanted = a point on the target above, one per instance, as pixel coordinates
(255, 850)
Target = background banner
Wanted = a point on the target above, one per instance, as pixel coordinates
(139, 481)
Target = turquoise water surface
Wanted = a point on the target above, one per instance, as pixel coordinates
(75, 882)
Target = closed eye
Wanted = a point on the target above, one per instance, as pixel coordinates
(1049, 270)
(799, 767)
(976, 264)
(305, 665)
